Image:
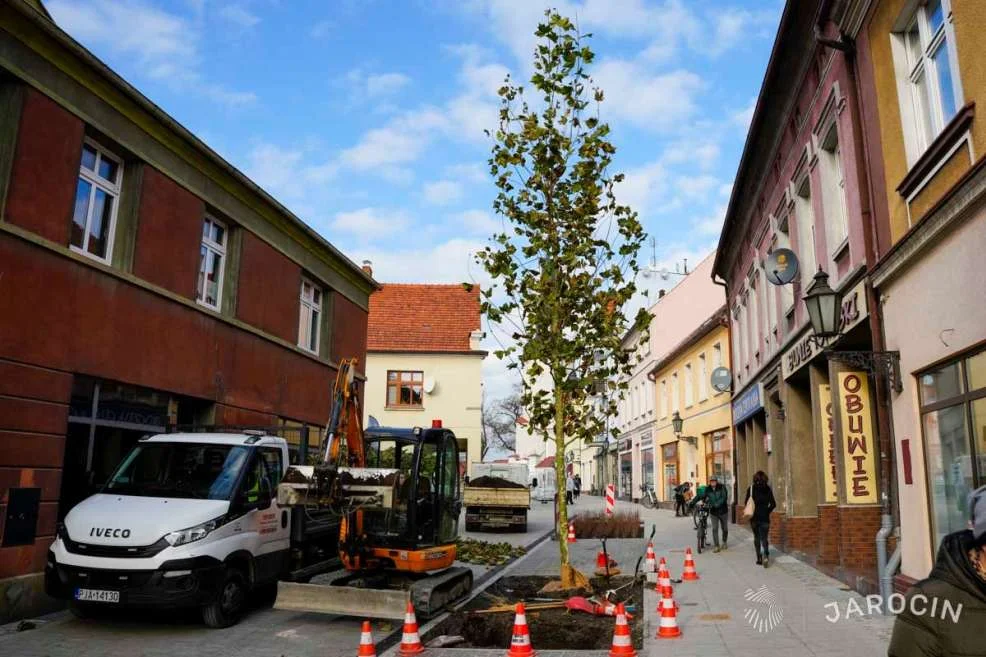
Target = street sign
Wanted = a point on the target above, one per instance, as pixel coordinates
(781, 266)
(722, 379)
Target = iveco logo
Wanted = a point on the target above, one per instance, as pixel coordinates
(109, 532)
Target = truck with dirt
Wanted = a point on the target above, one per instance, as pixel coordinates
(497, 497)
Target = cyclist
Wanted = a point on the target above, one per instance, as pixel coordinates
(716, 498)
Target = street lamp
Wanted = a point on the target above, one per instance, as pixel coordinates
(824, 307)
(677, 424)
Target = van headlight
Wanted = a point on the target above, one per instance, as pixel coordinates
(192, 534)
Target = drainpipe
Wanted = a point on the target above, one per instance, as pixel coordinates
(725, 287)
(885, 568)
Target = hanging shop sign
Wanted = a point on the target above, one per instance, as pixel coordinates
(748, 403)
(830, 475)
(854, 311)
(626, 444)
(859, 442)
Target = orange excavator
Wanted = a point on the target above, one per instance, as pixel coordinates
(396, 493)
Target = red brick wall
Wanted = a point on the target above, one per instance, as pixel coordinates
(828, 533)
(801, 533)
(857, 536)
(169, 233)
(33, 415)
(243, 416)
(45, 168)
(777, 525)
(348, 330)
(269, 289)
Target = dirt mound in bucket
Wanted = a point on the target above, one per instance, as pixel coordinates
(551, 629)
(493, 482)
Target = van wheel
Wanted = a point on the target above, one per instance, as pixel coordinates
(226, 609)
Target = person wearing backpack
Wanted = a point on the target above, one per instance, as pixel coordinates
(758, 507)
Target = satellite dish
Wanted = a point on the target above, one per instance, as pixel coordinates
(722, 379)
(373, 422)
(781, 266)
(429, 385)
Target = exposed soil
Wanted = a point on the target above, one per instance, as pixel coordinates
(551, 629)
(624, 524)
(493, 482)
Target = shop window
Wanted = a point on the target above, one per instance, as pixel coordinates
(953, 412)
(718, 459)
(97, 196)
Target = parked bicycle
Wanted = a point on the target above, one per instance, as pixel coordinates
(701, 517)
(648, 499)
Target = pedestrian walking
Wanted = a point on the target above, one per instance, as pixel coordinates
(717, 498)
(763, 504)
(958, 582)
(679, 498)
(569, 488)
(578, 487)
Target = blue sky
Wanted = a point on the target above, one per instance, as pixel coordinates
(365, 117)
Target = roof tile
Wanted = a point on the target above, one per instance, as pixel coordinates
(423, 318)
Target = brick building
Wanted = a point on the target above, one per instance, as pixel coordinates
(802, 185)
(144, 282)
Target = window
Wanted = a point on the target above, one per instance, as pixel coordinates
(405, 388)
(770, 293)
(953, 419)
(212, 263)
(703, 378)
(675, 398)
(932, 95)
(806, 232)
(719, 456)
(753, 295)
(833, 192)
(272, 461)
(310, 317)
(783, 241)
(688, 385)
(96, 197)
(664, 398)
(717, 354)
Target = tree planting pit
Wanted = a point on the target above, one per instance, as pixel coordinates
(550, 629)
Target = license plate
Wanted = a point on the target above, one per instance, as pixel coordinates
(92, 595)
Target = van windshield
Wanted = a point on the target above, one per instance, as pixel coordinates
(185, 470)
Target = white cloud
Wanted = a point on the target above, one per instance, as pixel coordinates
(386, 83)
(472, 173)
(659, 102)
(743, 117)
(371, 223)
(162, 45)
(452, 261)
(641, 187)
(731, 26)
(711, 225)
(478, 222)
(239, 16)
(442, 192)
(284, 172)
(696, 187)
(321, 29)
(688, 151)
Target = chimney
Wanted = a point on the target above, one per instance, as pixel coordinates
(660, 294)
(368, 267)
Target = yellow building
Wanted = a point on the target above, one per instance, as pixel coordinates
(683, 384)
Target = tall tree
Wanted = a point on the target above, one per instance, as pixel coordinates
(565, 263)
(500, 419)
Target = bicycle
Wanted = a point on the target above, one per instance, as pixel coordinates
(701, 517)
(648, 499)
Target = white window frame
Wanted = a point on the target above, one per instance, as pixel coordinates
(833, 185)
(111, 189)
(805, 215)
(664, 398)
(918, 135)
(717, 350)
(675, 396)
(782, 240)
(220, 249)
(703, 378)
(310, 305)
(689, 393)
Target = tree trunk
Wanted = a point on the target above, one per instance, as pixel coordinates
(567, 579)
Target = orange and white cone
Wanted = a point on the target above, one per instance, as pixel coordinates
(571, 532)
(668, 628)
(622, 642)
(410, 641)
(664, 582)
(689, 572)
(520, 644)
(366, 647)
(650, 560)
(667, 599)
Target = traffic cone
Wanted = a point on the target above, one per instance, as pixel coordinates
(668, 628)
(650, 563)
(520, 644)
(663, 585)
(601, 569)
(622, 643)
(662, 562)
(667, 598)
(366, 648)
(571, 532)
(410, 641)
(689, 572)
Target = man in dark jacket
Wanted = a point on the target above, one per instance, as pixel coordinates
(717, 498)
(944, 614)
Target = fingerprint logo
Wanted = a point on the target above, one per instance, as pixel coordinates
(764, 614)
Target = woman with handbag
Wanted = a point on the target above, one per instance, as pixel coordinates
(759, 504)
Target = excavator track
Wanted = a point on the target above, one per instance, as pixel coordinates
(377, 595)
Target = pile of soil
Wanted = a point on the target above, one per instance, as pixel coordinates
(622, 524)
(551, 629)
(493, 482)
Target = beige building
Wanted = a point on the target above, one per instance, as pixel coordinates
(424, 361)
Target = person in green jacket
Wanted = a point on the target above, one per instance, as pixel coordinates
(943, 614)
(717, 498)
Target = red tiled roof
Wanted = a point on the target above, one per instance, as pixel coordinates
(422, 318)
(546, 462)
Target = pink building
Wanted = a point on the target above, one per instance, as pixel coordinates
(798, 187)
